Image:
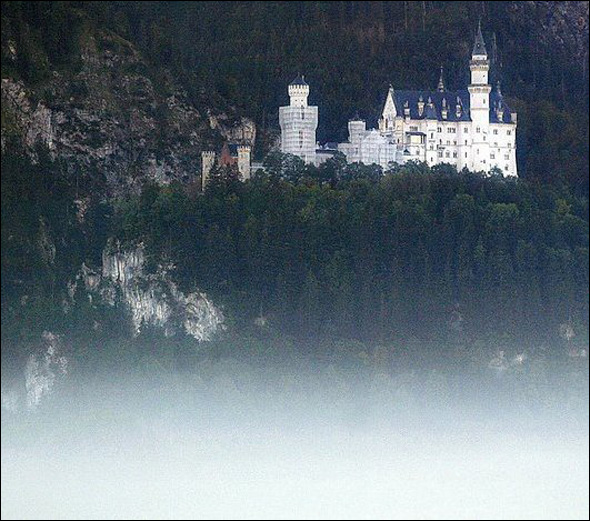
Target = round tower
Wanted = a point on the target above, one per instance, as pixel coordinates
(298, 92)
(299, 123)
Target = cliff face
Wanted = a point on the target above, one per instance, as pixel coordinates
(110, 117)
(151, 299)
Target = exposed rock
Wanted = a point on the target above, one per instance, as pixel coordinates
(109, 117)
(152, 299)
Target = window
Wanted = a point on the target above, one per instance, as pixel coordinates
(440, 154)
(448, 142)
(451, 130)
(506, 168)
(455, 142)
(492, 156)
(465, 155)
(432, 135)
(302, 113)
(495, 132)
(509, 145)
(466, 130)
(509, 132)
(448, 154)
(506, 157)
(466, 142)
(413, 129)
(496, 144)
(301, 139)
(439, 129)
(478, 130)
(454, 154)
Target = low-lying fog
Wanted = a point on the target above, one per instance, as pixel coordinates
(152, 449)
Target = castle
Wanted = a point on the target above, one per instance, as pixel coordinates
(234, 155)
(472, 128)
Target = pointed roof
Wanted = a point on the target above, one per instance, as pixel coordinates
(441, 81)
(299, 80)
(356, 117)
(389, 106)
(499, 89)
(479, 47)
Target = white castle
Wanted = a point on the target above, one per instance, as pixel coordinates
(472, 128)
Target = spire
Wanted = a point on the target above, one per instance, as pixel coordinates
(498, 89)
(441, 81)
(479, 47)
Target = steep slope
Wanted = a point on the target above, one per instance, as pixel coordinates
(106, 112)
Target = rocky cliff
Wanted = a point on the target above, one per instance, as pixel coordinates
(111, 117)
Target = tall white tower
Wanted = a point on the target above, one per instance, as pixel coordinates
(299, 123)
(479, 95)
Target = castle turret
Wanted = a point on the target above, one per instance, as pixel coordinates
(479, 95)
(356, 128)
(299, 122)
(244, 161)
(479, 89)
(298, 92)
(207, 162)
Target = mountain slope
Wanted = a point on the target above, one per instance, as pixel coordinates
(131, 86)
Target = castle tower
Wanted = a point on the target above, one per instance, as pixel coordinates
(299, 123)
(479, 95)
(479, 88)
(244, 162)
(207, 162)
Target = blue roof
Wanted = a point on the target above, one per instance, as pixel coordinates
(479, 47)
(299, 80)
(410, 99)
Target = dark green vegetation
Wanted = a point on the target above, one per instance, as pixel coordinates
(243, 54)
(345, 251)
(413, 257)
(413, 260)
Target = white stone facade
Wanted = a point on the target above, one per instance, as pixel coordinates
(299, 123)
(471, 128)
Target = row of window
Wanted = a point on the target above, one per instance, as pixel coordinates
(453, 130)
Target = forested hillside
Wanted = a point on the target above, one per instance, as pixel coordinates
(241, 55)
(107, 106)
